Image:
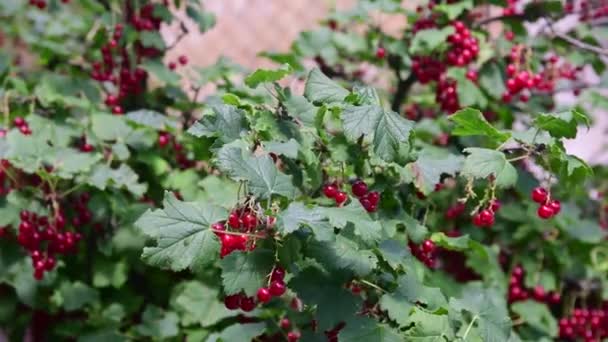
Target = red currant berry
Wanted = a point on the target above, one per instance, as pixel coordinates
(233, 220)
(293, 336)
(250, 221)
(264, 295)
(380, 53)
(247, 304)
(539, 195)
(341, 197)
(545, 211)
(285, 323)
(278, 274)
(428, 246)
(359, 188)
(277, 288)
(232, 302)
(330, 190)
(555, 206)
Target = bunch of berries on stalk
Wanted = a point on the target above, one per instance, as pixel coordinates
(519, 292)
(464, 47)
(368, 199)
(276, 288)
(44, 238)
(22, 125)
(117, 67)
(485, 217)
(333, 191)
(425, 252)
(585, 324)
(548, 207)
(244, 226)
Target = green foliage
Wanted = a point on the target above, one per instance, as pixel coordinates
(159, 200)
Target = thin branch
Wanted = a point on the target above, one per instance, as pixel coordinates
(497, 18)
(580, 44)
(184, 32)
(403, 88)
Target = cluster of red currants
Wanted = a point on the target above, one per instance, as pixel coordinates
(333, 191)
(455, 211)
(45, 238)
(425, 252)
(117, 67)
(548, 208)
(519, 292)
(591, 325)
(368, 199)
(276, 289)
(182, 60)
(246, 227)
(485, 217)
(464, 47)
(22, 125)
(446, 94)
(41, 4)
(166, 138)
(427, 68)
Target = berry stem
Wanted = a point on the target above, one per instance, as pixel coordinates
(370, 284)
(236, 233)
(466, 333)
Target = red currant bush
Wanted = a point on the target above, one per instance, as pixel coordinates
(372, 186)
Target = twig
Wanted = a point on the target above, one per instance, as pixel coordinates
(183, 33)
(500, 17)
(403, 88)
(580, 44)
(370, 284)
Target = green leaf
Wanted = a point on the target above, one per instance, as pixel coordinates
(246, 271)
(152, 119)
(162, 73)
(354, 213)
(488, 308)
(109, 273)
(471, 121)
(298, 215)
(491, 80)
(227, 123)
(110, 127)
(409, 293)
(182, 234)
(74, 296)
(452, 11)
(537, 316)
(238, 332)
(343, 254)
(395, 253)
(481, 163)
(320, 88)
(205, 20)
(288, 149)
(427, 41)
(267, 76)
(388, 131)
(429, 328)
(561, 125)
(152, 39)
(197, 303)
(433, 162)
(325, 292)
(158, 323)
(301, 109)
(365, 329)
(262, 176)
(104, 176)
(469, 93)
(415, 231)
